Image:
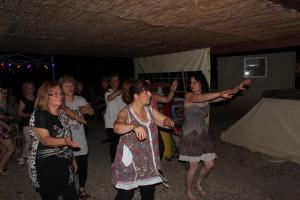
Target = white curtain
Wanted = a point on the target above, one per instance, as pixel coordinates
(193, 60)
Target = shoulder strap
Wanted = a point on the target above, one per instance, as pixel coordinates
(128, 114)
(131, 116)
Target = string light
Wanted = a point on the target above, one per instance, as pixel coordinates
(17, 63)
(10, 66)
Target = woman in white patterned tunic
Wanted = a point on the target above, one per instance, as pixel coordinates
(137, 159)
(195, 143)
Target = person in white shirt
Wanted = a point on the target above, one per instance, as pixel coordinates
(114, 103)
(81, 107)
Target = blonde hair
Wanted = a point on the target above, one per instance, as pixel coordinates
(42, 98)
(66, 79)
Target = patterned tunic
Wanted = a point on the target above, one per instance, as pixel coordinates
(137, 162)
(195, 143)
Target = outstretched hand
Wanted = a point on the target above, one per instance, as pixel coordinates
(244, 84)
(168, 123)
(174, 85)
(228, 94)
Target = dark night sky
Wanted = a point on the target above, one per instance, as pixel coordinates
(91, 69)
(87, 69)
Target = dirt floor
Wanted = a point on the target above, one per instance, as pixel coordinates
(238, 174)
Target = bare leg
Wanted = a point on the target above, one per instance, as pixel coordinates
(190, 176)
(9, 149)
(204, 171)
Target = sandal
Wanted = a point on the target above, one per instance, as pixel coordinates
(83, 195)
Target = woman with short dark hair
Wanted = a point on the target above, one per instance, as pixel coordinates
(137, 159)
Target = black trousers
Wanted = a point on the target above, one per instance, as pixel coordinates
(114, 141)
(53, 177)
(82, 163)
(147, 193)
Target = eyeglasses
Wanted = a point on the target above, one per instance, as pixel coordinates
(56, 94)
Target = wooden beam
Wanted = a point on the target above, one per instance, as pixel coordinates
(278, 43)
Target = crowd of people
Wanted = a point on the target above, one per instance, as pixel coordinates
(54, 130)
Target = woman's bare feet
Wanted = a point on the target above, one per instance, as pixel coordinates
(200, 189)
(190, 195)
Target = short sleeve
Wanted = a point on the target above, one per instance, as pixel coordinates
(83, 102)
(41, 119)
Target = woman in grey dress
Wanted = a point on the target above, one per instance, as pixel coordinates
(195, 143)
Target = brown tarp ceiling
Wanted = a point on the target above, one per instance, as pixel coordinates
(149, 27)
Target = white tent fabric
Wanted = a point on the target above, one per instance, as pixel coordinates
(193, 60)
(271, 127)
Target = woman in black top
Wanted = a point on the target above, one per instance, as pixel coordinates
(6, 143)
(25, 108)
(51, 160)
